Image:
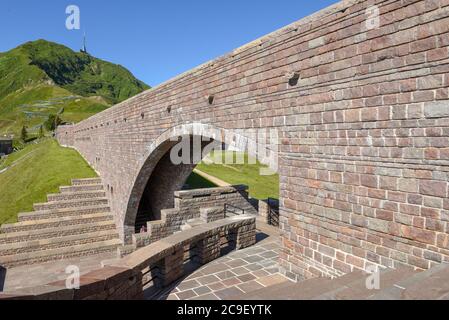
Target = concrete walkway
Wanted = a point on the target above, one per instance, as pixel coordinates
(239, 272)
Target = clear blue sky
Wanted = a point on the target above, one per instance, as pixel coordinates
(155, 39)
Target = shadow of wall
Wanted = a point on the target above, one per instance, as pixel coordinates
(2, 278)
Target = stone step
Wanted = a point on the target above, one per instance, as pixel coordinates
(358, 289)
(432, 284)
(55, 222)
(59, 213)
(185, 227)
(195, 222)
(125, 250)
(82, 182)
(70, 204)
(49, 233)
(59, 253)
(59, 242)
(81, 188)
(76, 195)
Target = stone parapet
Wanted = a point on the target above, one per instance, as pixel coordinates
(150, 268)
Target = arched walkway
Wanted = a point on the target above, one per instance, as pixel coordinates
(162, 174)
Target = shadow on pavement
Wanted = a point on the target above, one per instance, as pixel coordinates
(2, 278)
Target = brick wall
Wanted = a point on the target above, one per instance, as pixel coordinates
(188, 205)
(364, 148)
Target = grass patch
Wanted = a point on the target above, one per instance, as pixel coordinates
(195, 181)
(260, 187)
(37, 170)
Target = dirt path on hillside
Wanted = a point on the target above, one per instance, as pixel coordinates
(214, 180)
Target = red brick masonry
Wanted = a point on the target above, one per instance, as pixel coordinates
(363, 134)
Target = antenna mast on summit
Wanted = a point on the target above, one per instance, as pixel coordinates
(84, 43)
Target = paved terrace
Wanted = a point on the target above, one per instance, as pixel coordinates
(239, 272)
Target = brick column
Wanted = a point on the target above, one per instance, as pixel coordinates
(246, 236)
(209, 249)
(171, 268)
(264, 211)
(212, 214)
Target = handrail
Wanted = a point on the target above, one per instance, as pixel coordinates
(233, 209)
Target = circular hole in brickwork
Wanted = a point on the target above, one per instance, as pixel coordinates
(293, 81)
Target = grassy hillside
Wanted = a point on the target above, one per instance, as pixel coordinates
(40, 168)
(260, 187)
(83, 74)
(41, 78)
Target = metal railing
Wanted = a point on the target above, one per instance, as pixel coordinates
(273, 215)
(228, 208)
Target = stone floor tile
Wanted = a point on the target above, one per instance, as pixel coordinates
(208, 279)
(272, 280)
(225, 275)
(186, 285)
(269, 254)
(228, 292)
(240, 270)
(214, 268)
(172, 297)
(254, 258)
(186, 294)
(216, 286)
(231, 282)
(250, 286)
(202, 290)
(271, 246)
(236, 263)
(246, 277)
(272, 270)
(268, 263)
(206, 297)
(260, 273)
(254, 266)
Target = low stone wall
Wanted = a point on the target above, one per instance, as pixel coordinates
(191, 201)
(269, 211)
(65, 135)
(212, 214)
(150, 268)
(188, 204)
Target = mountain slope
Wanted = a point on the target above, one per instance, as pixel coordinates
(27, 176)
(41, 78)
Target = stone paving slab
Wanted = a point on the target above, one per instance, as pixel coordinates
(237, 273)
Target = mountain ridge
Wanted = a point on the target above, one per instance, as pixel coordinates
(39, 78)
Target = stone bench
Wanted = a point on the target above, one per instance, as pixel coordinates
(158, 264)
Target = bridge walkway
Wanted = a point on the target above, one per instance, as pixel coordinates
(239, 272)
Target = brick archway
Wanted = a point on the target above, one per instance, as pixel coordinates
(162, 177)
(363, 121)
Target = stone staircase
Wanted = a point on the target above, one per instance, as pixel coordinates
(73, 223)
(395, 284)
